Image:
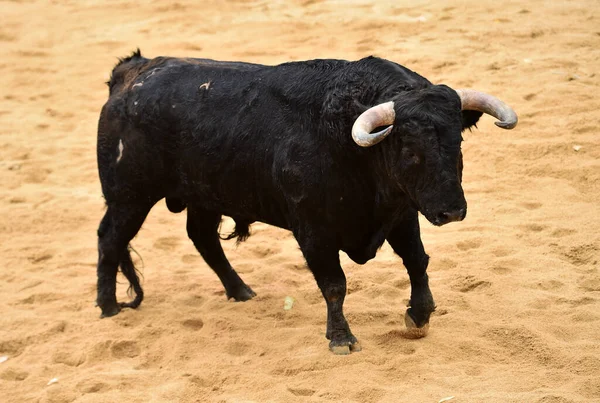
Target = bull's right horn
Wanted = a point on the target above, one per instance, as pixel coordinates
(377, 116)
(482, 102)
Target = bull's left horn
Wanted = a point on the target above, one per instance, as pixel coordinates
(377, 116)
(480, 101)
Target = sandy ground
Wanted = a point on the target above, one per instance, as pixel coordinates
(517, 284)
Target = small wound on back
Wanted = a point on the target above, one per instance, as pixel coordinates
(204, 86)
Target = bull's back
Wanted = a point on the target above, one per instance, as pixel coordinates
(195, 129)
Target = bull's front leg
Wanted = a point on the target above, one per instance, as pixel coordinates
(405, 239)
(324, 263)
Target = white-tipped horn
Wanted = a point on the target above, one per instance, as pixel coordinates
(480, 101)
(377, 116)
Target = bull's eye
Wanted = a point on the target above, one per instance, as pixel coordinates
(410, 157)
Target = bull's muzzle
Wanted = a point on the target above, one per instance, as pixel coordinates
(446, 217)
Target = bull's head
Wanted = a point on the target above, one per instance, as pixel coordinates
(426, 127)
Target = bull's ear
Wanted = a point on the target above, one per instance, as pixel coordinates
(470, 118)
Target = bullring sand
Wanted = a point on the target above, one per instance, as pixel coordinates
(517, 284)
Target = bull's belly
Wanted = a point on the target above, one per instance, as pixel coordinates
(239, 205)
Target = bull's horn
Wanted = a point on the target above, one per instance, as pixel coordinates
(377, 116)
(479, 101)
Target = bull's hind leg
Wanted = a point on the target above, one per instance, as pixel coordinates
(202, 228)
(119, 225)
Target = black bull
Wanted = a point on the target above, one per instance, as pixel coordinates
(291, 146)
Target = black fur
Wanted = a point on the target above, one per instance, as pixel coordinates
(136, 54)
(117, 74)
(273, 144)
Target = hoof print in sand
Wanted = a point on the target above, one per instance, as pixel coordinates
(125, 349)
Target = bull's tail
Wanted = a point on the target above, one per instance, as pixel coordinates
(241, 231)
(125, 65)
(131, 274)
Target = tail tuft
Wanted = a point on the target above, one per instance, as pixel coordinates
(132, 274)
(242, 231)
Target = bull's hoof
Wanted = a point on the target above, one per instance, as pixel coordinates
(241, 293)
(131, 304)
(412, 331)
(344, 348)
(340, 350)
(134, 303)
(356, 347)
(110, 310)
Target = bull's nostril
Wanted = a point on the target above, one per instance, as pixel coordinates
(443, 218)
(449, 216)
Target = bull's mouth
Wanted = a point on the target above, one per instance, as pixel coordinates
(447, 216)
(440, 216)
